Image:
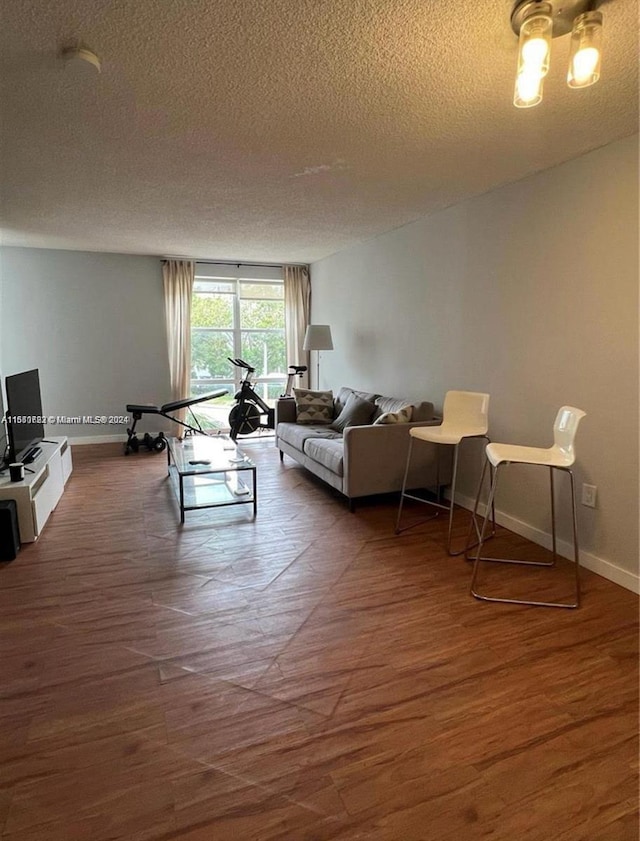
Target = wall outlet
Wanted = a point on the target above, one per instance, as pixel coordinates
(589, 495)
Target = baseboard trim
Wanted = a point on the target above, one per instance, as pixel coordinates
(592, 562)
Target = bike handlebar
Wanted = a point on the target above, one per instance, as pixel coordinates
(240, 363)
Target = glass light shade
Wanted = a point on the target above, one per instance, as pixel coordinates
(534, 46)
(586, 49)
(528, 90)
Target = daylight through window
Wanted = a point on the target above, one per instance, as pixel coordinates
(236, 312)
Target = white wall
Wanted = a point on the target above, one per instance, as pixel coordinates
(94, 326)
(530, 293)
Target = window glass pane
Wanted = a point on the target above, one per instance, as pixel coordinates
(202, 285)
(232, 316)
(212, 310)
(209, 352)
(199, 387)
(262, 314)
(262, 290)
(274, 389)
(265, 352)
(213, 414)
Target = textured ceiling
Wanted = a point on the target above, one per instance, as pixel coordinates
(278, 130)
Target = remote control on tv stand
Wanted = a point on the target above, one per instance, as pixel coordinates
(31, 455)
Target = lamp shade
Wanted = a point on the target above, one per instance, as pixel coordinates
(318, 337)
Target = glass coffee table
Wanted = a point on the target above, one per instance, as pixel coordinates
(209, 472)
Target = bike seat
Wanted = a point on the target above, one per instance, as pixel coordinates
(298, 369)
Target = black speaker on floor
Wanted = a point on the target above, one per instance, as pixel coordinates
(9, 535)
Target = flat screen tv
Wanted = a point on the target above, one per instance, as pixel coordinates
(24, 414)
(4, 444)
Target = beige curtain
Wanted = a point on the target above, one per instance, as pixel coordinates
(297, 311)
(178, 278)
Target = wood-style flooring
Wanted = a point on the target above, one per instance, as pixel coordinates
(302, 677)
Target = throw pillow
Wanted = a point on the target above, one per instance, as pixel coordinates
(390, 404)
(356, 412)
(343, 395)
(313, 406)
(423, 412)
(402, 416)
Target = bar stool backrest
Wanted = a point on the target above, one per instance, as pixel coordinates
(564, 431)
(467, 412)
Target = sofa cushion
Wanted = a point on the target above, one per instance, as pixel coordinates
(401, 416)
(343, 395)
(313, 406)
(327, 452)
(356, 412)
(390, 404)
(422, 412)
(296, 434)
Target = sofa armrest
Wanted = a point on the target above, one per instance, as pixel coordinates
(375, 458)
(285, 410)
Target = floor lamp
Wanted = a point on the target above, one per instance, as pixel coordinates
(318, 337)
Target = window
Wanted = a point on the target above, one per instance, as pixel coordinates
(236, 312)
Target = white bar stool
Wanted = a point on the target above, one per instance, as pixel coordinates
(465, 414)
(560, 456)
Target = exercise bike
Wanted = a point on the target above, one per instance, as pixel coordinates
(251, 412)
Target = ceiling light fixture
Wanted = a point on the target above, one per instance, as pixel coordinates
(81, 53)
(536, 22)
(586, 50)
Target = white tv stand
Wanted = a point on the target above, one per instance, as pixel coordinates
(39, 492)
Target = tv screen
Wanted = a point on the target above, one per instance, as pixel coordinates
(4, 444)
(24, 413)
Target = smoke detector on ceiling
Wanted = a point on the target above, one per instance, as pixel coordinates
(81, 53)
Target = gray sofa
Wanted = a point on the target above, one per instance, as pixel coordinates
(363, 460)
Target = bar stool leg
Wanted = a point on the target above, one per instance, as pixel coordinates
(473, 522)
(404, 495)
(404, 485)
(479, 558)
(476, 563)
(474, 514)
(440, 505)
(452, 500)
(553, 516)
(576, 551)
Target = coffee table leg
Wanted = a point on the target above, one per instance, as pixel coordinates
(255, 492)
(181, 500)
